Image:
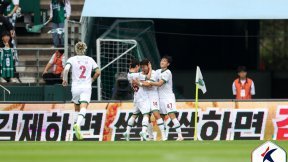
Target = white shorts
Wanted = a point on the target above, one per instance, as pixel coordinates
(167, 105)
(81, 95)
(142, 107)
(154, 103)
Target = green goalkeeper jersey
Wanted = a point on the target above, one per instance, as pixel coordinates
(7, 62)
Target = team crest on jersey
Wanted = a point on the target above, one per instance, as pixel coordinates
(269, 152)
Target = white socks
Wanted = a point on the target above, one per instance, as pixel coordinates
(150, 130)
(130, 124)
(81, 116)
(166, 122)
(145, 123)
(177, 127)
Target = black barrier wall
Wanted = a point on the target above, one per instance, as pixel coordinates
(219, 86)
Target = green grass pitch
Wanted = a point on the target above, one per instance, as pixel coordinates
(186, 151)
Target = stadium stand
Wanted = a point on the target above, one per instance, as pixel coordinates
(27, 59)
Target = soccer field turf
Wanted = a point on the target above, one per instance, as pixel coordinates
(187, 151)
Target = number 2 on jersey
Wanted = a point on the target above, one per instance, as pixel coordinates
(83, 68)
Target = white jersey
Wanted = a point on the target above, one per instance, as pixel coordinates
(166, 90)
(82, 67)
(139, 93)
(152, 91)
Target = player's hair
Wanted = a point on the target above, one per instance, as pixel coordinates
(144, 62)
(80, 48)
(168, 58)
(241, 69)
(134, 63)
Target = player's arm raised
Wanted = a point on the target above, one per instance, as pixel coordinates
(65, 74)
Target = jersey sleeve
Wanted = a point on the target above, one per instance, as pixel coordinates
(129, 77)
(234, 89)
(14, 54)
(63, 61)
(142, 77)
(69, 61)
(68, 8)
(154, 76)
(94, 64)
(52, 59)
(253, 89)
(165, 76)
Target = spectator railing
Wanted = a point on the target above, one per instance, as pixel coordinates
(4, 92)
(73, 34)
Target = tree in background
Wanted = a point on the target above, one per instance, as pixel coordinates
(274, 45)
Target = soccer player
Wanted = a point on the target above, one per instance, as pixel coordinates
(82, 67)
(152, 94)
(166, 95)
(141, 101)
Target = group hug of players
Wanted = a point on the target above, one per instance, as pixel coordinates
(153, 95)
